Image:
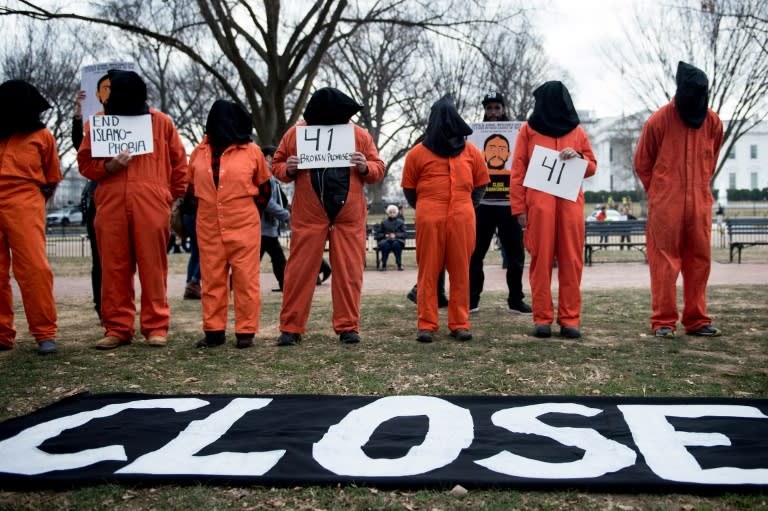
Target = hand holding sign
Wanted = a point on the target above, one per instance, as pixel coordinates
(555, 173)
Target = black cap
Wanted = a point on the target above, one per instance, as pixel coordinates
(493, 97)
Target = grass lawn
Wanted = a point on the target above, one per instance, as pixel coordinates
(616, 357)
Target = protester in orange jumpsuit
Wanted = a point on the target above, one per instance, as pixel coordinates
(328, 204)
(29, 173)
(444, 179)
(227, 172)
(554, 226)
(675, 160)
(133, 207)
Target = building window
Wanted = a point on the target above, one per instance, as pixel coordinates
(753, 152)
(753, 180)
(732, 153)
(732, 181)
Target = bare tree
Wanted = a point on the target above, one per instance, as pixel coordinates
(276, 52)
(702, 34)
(49, 58)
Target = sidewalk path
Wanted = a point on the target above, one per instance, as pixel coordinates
(599, 276)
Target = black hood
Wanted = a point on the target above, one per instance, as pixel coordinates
(692, 95)
(553, 113)
(22, 105)
(227, 124)
(446, 130)
(330, 106)
(128, 94)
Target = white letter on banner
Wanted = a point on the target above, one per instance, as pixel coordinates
(450, 430)
(178, 455)
(20, 454)
(665, 451)
(601, 455)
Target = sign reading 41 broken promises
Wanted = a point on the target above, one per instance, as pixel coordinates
(325, 146)
(113, 134)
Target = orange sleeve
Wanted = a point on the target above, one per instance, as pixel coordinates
(50, 159)
(520, 161)
(364, 144)
(647, 150)
(286, 148)
(410, 175)
(178, 157)
(480, 174)
(588, 154)
(261, 172)
(90, 167)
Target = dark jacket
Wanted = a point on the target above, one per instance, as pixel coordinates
(388, 225)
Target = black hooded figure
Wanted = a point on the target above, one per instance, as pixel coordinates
(692, 95)
(446, 130)
(553, 113)
(22, 105)
(228, 124)
(128, 94)
(329, 106)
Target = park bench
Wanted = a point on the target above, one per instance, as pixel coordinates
(627, 234)
(410, 240)
(746, 232)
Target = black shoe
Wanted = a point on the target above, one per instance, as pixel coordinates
(706, 331)
(542, 331)
(212, 338)
(288, 339)
(5, 347)
(461, 334)
(412, 294)
(382, 268)
(277, 290)
(399, 267)
(244, 340)
(521, 308)
(349, 337)
(326, 275)
(442, 301)
(570, 332)
(424, 336)
(46, 347)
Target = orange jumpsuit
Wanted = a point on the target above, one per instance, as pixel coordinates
(132, 228)
(310, 228)
(445, 227)
(27, 162)
(675, 163)
(229, 233)
(555, 228)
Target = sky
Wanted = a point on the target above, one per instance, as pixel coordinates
(573, 33)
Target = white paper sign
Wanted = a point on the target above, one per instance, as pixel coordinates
(89, 80)
(113, 134)
(548, 173)
(325, 146)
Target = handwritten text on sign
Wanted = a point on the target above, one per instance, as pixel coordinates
(113, 134)
(548, 173)
(325, 146)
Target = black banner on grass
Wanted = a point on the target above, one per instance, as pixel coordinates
(404, 441)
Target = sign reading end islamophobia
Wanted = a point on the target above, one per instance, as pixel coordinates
(413, 441)
(319, 147)
(113, 134)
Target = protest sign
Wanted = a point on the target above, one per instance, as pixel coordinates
(325, 146)
(548, 173)
(113, 134)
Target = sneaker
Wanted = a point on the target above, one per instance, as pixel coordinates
(461, 334)
(288, 339)
(542, 331)
(706, 331)
(157, 341)
(192, 291)
(46, 347)
(665, 332)
(442, 301)
(520, 308)
(570, 332)
(412, 294)
(277, 290)
(424, 336)
(474, 309)
(349, 337)
(400, 267)
(110, 342)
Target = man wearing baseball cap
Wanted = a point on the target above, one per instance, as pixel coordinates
(494, 214)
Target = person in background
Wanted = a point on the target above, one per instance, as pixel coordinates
(87, 204)
(133, 209)
(275, 213)
(328, 206)
(193, 289)
(230, 179)
(390, 235)
(675, 160)
(444, 179)
(30, 173)
(554, 227)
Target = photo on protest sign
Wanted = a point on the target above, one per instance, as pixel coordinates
(548, 173)
(325, 146)
(113, 134)
(496, 140)
(89, 80)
